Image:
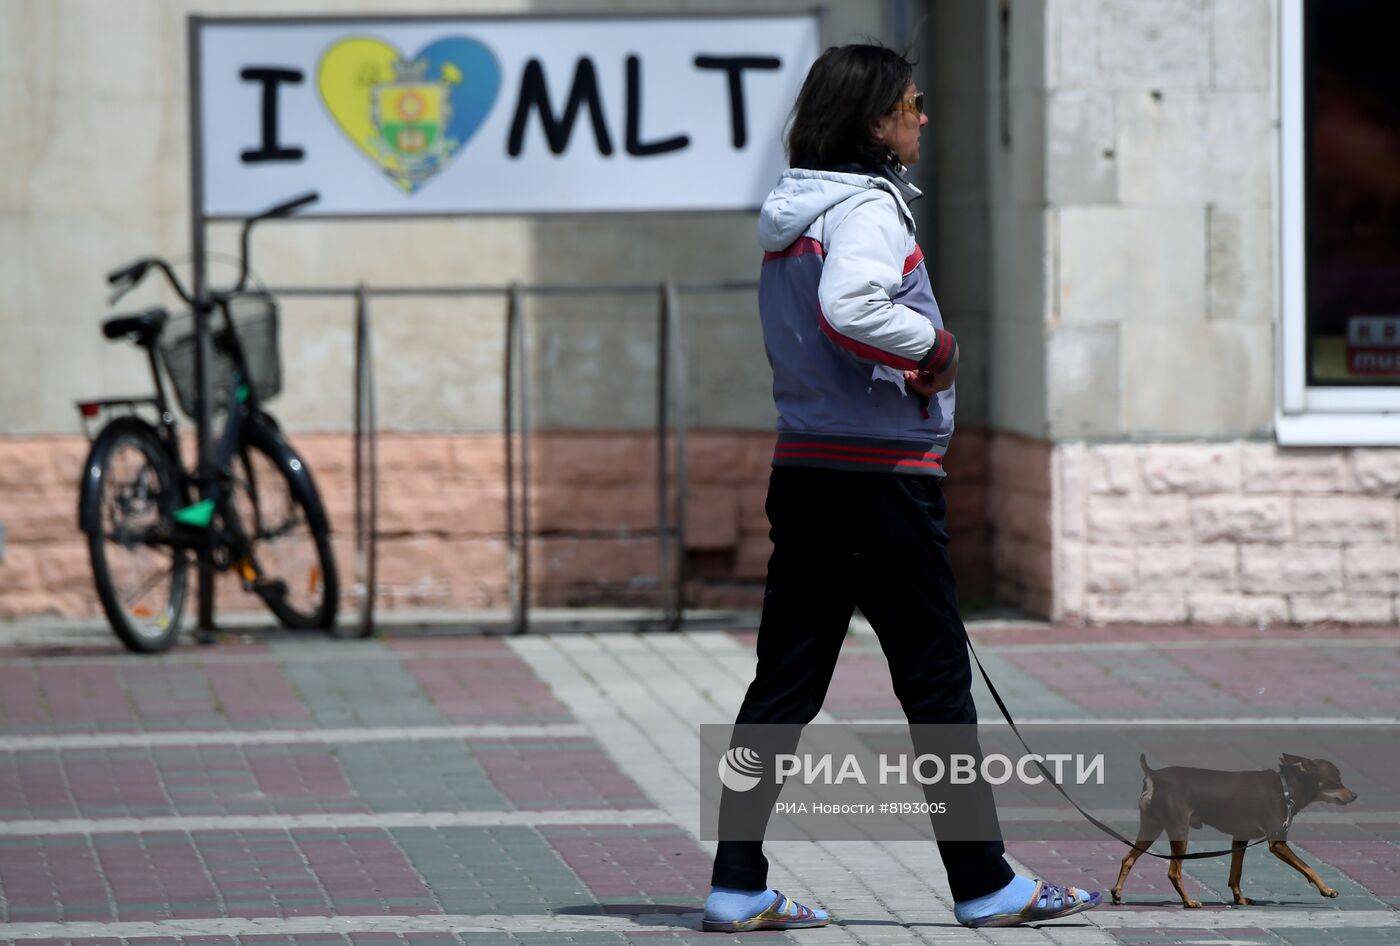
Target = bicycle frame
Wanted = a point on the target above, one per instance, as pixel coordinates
(143, 510)
(242, 398)
(192, 528)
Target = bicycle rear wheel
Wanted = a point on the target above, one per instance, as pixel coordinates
(140, 577)
(287, 547)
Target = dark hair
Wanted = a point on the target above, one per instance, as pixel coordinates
(848, 89)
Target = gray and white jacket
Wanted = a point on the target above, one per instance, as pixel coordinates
(847, 307)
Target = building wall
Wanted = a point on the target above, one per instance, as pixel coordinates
(1102, 237)
(1231, 532)
(1151, 488)
(1016, 82)
(97, 171)
(1159, 156)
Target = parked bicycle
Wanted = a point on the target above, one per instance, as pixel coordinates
(139, 505)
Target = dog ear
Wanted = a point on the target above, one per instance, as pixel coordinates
(1287, 759)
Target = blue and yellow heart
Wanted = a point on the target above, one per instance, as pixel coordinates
(409, 115)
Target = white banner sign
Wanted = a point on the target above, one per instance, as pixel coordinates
(410, 116)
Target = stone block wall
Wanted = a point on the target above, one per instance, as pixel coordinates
(1158, 152)
(1236, 532)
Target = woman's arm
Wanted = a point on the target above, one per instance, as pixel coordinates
(861, 273)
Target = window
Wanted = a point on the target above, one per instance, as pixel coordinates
(1339, 197)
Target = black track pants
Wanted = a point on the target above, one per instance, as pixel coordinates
(876, 541)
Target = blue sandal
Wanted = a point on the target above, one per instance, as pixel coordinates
(782, 914)
(1049, 903)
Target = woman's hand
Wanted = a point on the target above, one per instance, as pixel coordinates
(928, 383)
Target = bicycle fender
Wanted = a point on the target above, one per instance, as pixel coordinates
(263, 431)
(90, 486)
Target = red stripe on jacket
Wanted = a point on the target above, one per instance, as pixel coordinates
(788, 453)
(864, 350)
(942, 352)
(799, 247)
(912, 261)
(852, 448)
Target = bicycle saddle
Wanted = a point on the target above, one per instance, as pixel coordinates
(146, 326)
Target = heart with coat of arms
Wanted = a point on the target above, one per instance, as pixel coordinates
(409, 115)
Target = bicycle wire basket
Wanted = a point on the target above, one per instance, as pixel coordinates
(254, 317)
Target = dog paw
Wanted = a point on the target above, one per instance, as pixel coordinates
(1117, 896)
(1243, 901)
(1329, 892)
(1191, 904)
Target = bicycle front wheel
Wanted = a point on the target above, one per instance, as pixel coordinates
(140, 575)
(292, 556)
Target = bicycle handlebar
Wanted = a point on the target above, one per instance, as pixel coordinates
(280, 210)
(296, 203)
(129, 277)
(133, 273)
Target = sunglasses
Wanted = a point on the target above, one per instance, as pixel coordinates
(911, 103)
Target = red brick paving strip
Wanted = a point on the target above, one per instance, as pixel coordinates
(861, 684)
(543, 778)
(1374, 865)
(313, 772)
(117, 782)
(170, 696)
(1152, 634)
(150, 874)
(1156, 634)
(486, 686)
(481, 646)
(108, 781)
(89, 694)
(619, 866)
(20, 704)
(1171, 935)
(244, 874)
(29, 782)
(1082, 681)
(360, 866)
(1285, 679)
(53, 884)
(254, 692)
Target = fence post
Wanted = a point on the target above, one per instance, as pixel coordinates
(517, 541)
(677, 398)
(663, 416)
(203, 423)
(670, 378)
(366, 460)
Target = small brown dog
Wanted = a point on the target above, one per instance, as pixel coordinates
(1243, 805)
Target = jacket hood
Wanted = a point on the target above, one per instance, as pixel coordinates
(803, 195)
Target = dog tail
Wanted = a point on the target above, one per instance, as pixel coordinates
(1142, 760)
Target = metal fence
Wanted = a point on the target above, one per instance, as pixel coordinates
(670, 423)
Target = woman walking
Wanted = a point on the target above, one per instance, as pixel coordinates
(863, 375)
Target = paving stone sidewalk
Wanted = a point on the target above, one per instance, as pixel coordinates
(544, 789)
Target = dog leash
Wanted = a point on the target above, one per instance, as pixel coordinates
(1106, 828)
